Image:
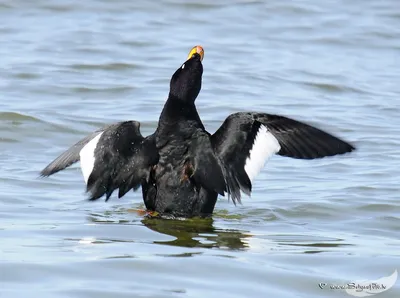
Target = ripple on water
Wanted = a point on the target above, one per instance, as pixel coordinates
(103, 90)
(5, 6)
(105, 66)
(70, 67)
(195, 5)
(334, 88)
(17, 118)
(26, 75)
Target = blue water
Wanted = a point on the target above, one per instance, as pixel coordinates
(69, 67)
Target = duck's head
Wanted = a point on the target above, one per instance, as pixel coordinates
(185, 83)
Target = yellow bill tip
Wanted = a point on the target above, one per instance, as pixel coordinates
(196, 50)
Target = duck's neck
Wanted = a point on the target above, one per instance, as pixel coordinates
(177, 111)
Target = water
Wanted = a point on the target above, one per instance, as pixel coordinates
(70, 67)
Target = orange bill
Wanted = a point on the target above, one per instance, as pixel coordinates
(197, 49)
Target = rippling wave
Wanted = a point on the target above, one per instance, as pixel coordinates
(71, 67)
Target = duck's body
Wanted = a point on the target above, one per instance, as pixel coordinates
(181, 167)
(183, 145)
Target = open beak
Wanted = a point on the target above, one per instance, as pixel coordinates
(197, 49)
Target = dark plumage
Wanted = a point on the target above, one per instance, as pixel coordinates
(181, 167)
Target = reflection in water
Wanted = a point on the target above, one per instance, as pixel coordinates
(203, 233)
(197, 233)
(309, 244)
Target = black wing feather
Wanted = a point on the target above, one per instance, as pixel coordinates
(301, 140)
(69, 157)
(207, 170)
(122, 161)
(232, 143)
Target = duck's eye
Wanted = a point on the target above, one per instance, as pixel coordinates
(183, 66)
(193, 55)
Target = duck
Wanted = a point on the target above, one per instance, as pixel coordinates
(181, 168)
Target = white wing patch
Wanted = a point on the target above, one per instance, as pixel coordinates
(87, 157)
(265, 145)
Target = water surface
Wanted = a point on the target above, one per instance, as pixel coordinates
(69, 67)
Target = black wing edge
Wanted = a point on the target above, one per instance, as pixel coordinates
(236, 177)
(302, 141)
(297, 140)
(69, 157)
(129, 161)
(232, 143)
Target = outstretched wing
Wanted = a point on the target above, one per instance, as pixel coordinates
(69, 157)
(116, 157)
(245, 141)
